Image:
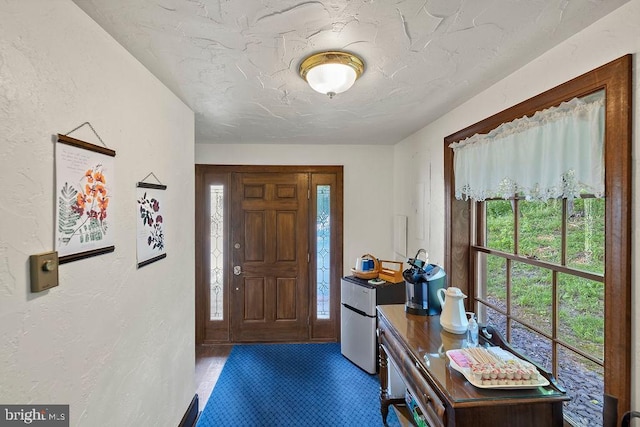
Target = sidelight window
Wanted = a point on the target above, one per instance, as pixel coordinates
(325, 194)
(216, 276)
(323, 251)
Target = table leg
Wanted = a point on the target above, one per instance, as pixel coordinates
(384, 386)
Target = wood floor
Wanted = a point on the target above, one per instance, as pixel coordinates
(210, 360)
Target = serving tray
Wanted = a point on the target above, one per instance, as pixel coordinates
(458, 355)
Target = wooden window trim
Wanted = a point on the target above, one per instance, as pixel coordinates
(616, 79)
(323, 329)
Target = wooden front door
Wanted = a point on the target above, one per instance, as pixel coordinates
(269, 253)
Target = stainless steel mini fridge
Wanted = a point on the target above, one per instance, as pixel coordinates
(358, 341)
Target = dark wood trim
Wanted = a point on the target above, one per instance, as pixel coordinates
(322, 329)
(199, 241)
(618, 215)
(151, 260)
(339, 245)
(206, 331)
(86, 254)
(604, 77)
(271, 168)
(190, 417)
(615, 78)
(64, 139)
(541, 263)
(151, 185)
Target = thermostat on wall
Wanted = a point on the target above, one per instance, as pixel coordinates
(44, 271)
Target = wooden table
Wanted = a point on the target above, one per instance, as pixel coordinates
(416, 345)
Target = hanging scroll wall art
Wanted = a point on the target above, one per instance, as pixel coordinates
(85, 183)
(150, 228)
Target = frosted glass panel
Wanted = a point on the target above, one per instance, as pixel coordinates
(216, 307)
(323, 251)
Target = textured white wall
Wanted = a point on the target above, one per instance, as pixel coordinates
(368, 226)
(612, 37)
(114, 342)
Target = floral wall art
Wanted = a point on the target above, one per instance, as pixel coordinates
(150, 224)
(84, 199)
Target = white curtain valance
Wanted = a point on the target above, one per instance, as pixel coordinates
(558, 152)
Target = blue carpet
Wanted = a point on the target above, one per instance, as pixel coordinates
(285, 385)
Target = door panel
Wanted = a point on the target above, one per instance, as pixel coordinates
(286, 302)
(286, 236)
(254, 299)
(269, 233)
(254, 225)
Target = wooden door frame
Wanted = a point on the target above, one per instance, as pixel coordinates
(201, 170)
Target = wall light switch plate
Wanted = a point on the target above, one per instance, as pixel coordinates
(44, 271)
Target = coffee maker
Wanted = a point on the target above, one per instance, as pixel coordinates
(422, 283)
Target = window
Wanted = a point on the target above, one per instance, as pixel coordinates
(492, 267)
(216, 248)
(540, 280)
(323, 251)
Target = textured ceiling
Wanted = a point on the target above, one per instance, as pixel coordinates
(235, 62)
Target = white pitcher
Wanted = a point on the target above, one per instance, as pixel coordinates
(453, 317)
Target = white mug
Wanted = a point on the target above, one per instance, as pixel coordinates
(358, 264)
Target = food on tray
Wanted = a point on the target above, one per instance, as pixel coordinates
(495, 366)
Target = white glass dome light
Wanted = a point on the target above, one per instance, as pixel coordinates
(332, 72)
(331, 78)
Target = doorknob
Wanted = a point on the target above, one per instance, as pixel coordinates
(237, 270)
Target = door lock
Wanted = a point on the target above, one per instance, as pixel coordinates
(237, 270)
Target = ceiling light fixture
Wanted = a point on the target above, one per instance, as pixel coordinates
(331, 72)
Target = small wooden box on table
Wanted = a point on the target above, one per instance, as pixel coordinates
(444, 396)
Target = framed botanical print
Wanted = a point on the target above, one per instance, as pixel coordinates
(85, 185)
(151, 220)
